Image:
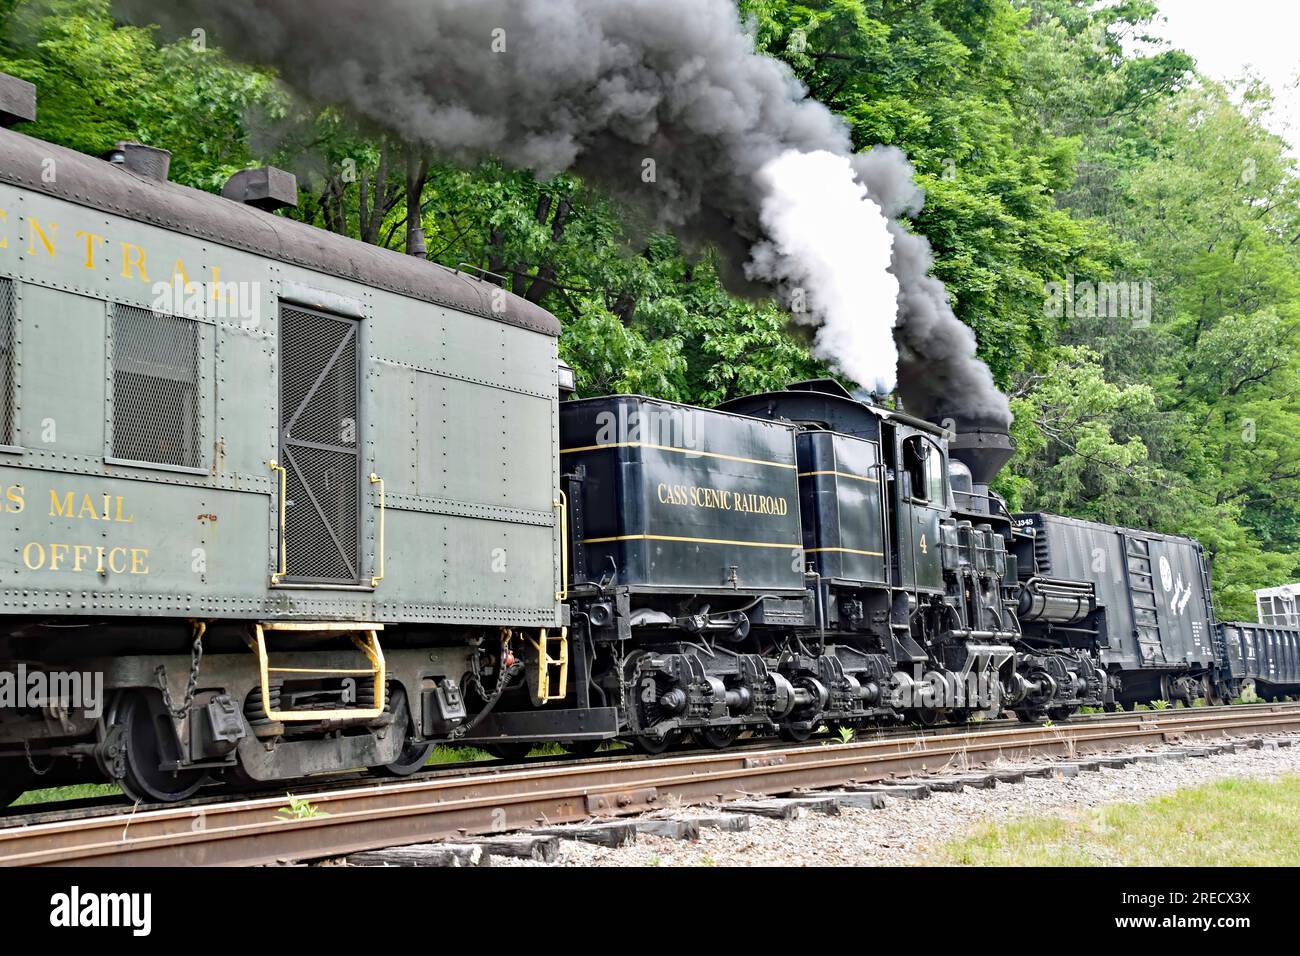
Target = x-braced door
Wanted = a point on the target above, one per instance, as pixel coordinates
(319, 434)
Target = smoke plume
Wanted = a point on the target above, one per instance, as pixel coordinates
(665, 104)
(827, 243)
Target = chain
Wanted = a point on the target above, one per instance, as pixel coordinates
(503, 681)
(27, 749)
(505, 674)
(196, 657)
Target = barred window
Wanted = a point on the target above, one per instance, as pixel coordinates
(155, 388)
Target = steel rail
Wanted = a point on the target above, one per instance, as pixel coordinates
(68, 810)
(71, 810)
(373, 816)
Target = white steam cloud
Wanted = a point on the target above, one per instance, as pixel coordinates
(827, 251)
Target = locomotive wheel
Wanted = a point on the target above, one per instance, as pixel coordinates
(652, 745)
(145, 779)
(581, 748)
(412, 758)
(512, 751)
(415, 753)
(718, 738)
(796, 735)
(1060, 713)
(1129, 706)
(929, 716)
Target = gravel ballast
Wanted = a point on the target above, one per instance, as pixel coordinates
(910, 832)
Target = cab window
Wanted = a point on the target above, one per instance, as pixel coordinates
(923, 464)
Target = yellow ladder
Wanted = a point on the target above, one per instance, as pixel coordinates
(547, 665)
(364, 636)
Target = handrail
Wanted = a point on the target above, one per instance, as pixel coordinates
(282, 565)
(375, 579)
(563, 505)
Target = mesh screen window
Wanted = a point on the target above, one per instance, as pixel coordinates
(8, 338)
(155, 388)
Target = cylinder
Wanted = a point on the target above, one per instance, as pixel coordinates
(1054, 602)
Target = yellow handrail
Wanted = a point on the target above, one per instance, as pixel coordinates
(563, 505)
(375, 479)
(282, 564)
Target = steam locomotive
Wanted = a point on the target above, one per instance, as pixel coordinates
(276, 503)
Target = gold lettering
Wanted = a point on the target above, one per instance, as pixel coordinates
(16, 503)
(87, 503)
(119, 518)
(722, 499)
(61, 509)
(46, 241)
(128, 261)
(58, 556)
(4, 217)
(179, 269)
(57, 553)
(91, 239)
(27, 556)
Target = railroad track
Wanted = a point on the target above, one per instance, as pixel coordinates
(371, 815)
(80, 809)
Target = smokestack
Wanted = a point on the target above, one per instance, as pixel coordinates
(17, 100)
(148, 161)
(983, 447)
(266, 188)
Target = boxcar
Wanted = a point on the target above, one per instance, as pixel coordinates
(329, 463)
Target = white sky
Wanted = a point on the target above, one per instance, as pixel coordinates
(1227, 37)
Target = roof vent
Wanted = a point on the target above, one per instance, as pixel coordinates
(266, 188)
(147, 161)
(17, 100)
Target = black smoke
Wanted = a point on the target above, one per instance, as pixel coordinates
(600, 87)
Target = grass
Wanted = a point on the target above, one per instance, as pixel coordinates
(442, 754)
(300, 808)
(1231, 822)
(80, 791)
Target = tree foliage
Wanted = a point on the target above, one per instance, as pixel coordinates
(1056, 147)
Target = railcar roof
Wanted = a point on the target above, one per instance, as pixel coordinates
(1103, 526)
(845, 401)
(110, 188)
